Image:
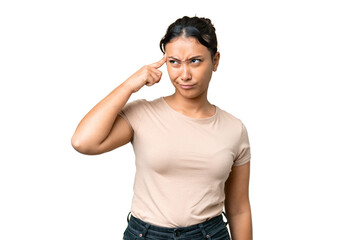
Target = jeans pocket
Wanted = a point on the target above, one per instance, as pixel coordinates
(129, 235)
(220, 232)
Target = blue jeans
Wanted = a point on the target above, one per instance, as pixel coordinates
(212, 229)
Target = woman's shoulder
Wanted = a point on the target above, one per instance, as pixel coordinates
(142, 103)
(229, 117)
(234, 126)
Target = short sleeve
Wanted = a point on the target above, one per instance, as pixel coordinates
(243, 154)
(131, 112)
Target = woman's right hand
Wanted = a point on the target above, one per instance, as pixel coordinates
(147, 75)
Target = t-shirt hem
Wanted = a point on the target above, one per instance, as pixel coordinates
(243, 162)
(123, 115)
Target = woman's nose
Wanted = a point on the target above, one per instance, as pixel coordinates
(185, 75)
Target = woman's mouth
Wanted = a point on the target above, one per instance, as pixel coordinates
(183, 86)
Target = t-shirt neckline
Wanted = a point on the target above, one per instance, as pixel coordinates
(207, 119)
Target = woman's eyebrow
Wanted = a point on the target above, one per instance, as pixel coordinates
(198, 56)
(191, 58)
(174, 58)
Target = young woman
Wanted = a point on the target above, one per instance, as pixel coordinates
(192, 158)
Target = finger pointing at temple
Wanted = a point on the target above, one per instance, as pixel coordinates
(159, 63)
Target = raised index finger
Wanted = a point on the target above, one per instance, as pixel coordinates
(159, 63)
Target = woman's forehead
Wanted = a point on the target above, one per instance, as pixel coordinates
(185, 48)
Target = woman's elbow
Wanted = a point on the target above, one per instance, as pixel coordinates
(82, 146)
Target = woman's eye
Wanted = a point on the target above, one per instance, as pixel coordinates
(173, 62)
(195, 60)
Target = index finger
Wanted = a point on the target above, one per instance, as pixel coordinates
(159, 63)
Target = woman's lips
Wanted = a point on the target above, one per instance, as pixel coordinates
(187, 86)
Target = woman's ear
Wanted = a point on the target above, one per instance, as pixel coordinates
(216, 61)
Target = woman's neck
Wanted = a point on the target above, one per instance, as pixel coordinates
(192, 107)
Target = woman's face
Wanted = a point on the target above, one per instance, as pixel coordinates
(190, 66)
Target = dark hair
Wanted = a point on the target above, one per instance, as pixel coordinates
(199, 28)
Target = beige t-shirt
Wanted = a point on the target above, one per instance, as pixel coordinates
(182, 163)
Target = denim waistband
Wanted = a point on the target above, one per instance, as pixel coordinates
(128, 219)
(205, 229)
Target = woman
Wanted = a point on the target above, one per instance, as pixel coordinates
(192, 158)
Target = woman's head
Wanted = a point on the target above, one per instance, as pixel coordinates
(190, 46)
(199, 28)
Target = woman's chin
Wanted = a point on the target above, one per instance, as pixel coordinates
(188, 93)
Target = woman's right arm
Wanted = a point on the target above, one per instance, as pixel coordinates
(102, 129)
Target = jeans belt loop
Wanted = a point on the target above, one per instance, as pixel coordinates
(206, 236)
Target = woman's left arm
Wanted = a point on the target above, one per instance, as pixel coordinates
(237, 204)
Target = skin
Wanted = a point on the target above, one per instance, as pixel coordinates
(188, 63)
(237, 204)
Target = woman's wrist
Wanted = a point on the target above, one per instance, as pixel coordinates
(127, 87)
